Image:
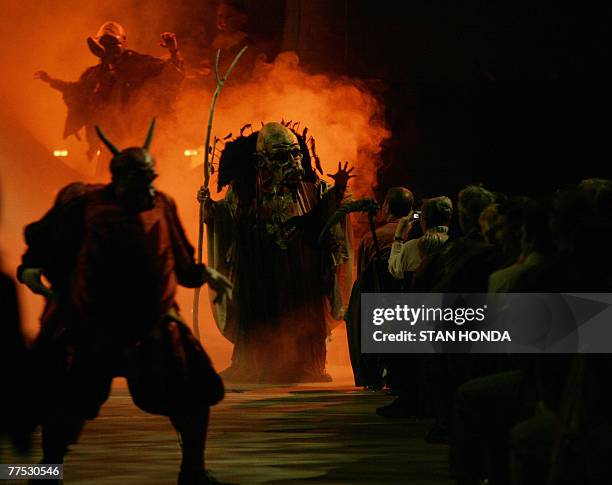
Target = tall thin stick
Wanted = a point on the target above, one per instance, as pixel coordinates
(220, 83)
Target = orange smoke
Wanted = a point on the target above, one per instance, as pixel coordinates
(341, 114)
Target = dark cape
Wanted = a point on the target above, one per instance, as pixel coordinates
(123, 99)
(114, 274)
(287, 298)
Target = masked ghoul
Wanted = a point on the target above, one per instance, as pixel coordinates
(123, 91)
(263, 235)
(114, 255)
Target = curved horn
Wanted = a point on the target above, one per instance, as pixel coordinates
(147, 142)
(114, 150)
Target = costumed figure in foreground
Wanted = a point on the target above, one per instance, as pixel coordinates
(114, 255)
(123, 91)
(264, 236)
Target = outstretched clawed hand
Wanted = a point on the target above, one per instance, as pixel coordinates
(342, 176)
(43, 76)
(168, 41)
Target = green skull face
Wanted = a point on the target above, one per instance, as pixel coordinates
(280, 170)
(280, 157)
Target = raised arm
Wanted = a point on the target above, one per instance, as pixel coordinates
(168, 41)
(58, 84)
(341, 178)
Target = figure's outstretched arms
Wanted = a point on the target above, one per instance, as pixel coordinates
(58, 84)
(169, 41)
(361, 205)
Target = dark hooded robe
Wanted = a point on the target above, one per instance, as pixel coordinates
(122, 97)
(288, 287)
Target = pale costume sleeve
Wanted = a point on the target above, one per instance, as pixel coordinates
(338, 245)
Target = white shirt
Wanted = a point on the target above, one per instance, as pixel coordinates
(407, 256)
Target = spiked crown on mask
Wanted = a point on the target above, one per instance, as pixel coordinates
(240, 160)
(132, 159)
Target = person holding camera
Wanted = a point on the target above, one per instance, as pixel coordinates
(434, 219)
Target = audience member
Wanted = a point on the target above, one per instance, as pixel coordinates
(434, 219)
(373, 277)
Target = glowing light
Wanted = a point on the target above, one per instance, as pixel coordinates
(60, 153)
(98, 153)
(190, 153)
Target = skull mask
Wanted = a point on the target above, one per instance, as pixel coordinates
(109, 42)
(279, 157)
(279, 167)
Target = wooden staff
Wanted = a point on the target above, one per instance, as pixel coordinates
(220, 83)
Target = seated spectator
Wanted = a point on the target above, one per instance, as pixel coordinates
(551, 415)
(491, 223)
(567, 439)
(435, 218)
(406, 372)
(500, 225)
(463, 266)
(536, 248)
(373, 276)
(581, 228)
(466, 263)
(569, 443)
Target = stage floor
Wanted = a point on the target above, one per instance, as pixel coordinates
(319, 434)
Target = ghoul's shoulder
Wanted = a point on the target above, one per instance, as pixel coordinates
(133, 58)
(74, 192)
(165, 200)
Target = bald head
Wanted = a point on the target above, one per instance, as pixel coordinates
(275, 135)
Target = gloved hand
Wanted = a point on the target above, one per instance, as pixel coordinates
(43, 76)
(168, 41)
(208, 205)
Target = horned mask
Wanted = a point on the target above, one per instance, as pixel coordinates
(133, 172)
